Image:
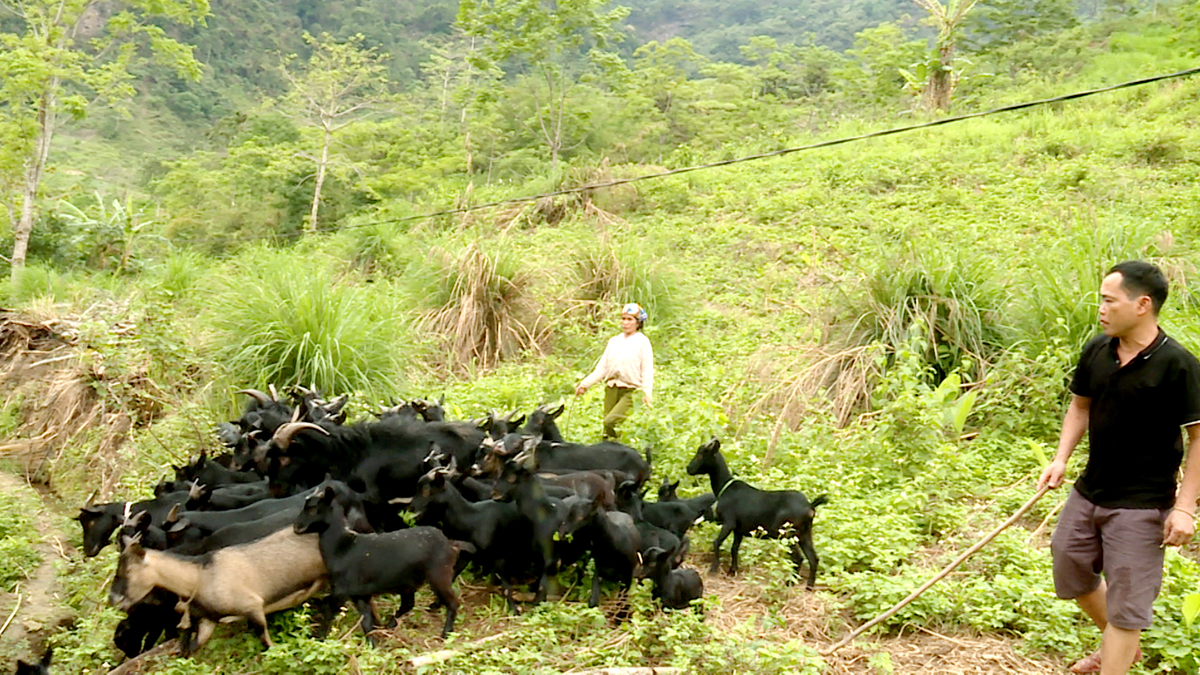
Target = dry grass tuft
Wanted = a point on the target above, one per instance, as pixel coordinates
(481, 306)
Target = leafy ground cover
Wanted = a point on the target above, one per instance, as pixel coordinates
(937, 285)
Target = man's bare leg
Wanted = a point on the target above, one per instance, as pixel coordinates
(1118, 650)
(1095, 605)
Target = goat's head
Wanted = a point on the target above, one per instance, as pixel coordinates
(134, 579)
(317, 512)
(668, 491)
(705, 459)
(99, 522)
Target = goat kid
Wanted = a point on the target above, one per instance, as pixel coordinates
(674, 588)
(362, 566)
(745, 510)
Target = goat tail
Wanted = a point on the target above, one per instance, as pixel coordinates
(823, 499)
(460, 546)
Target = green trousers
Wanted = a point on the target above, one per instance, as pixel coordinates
(618, 402)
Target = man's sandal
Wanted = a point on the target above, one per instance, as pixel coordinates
(1091, 662)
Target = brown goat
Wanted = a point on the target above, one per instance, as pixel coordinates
(246, 581)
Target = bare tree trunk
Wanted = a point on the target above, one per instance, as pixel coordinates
(33, 177)
(321, 165)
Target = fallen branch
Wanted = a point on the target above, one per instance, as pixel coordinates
(133, 665)
(10, 616)
(940, 575)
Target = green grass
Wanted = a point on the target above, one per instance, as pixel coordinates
(278, 318)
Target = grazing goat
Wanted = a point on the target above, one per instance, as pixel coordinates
(99, 522)
(362, 566)
(745, 510)
(674, 588)
(677, 517)
(251, 580)
(40, 668)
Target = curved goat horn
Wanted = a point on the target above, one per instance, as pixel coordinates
(255, 394)
(283, 435)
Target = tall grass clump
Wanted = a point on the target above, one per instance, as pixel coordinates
(286, 318)
(1058, 295)
(379, 248)
(176, 275)
(477, 303)
(606, 275)
(944, 306)
(952, 302)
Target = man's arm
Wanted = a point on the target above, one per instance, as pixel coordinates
(1074, 426)
(1180, 524)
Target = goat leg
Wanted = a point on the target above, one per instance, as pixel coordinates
(368, 621)
(258, 619)
(810, 552)
(594, 600)
(726, 530)
(451, 601)
(327, 611)
(407, 602)
(733, 553)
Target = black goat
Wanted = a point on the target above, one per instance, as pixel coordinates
(541, 423)
(678, 516)
(362, 566)
(99, 522)
(674, 588)
(40, 668)
(629, 500)
(745, 510)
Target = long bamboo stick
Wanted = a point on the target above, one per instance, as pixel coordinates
(940, 575)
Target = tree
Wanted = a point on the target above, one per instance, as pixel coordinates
(552, 45)
(341, 82)
(941, 77)
(877, 60)
(1000, 23)
(62, 63)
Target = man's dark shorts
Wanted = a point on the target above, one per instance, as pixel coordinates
(1124, 544)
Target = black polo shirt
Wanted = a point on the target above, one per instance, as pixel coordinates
(1134, 422)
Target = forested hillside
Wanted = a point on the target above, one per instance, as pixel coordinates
(253, 195)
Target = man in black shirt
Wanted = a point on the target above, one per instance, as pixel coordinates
(1133, 389)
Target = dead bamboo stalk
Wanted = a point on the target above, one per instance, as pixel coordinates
(940, 575)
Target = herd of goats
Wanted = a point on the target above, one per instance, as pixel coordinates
(305, 507)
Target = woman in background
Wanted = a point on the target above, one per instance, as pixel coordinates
(626, 366)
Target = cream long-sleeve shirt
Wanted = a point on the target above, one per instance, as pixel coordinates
(628, 361)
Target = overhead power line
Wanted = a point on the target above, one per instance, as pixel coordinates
(765, 155)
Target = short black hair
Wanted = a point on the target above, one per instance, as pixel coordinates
(1139, 278)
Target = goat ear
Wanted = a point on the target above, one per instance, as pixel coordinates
(172, 515)
(675, 485)
(553, 414)
(517, 422)
(135, 550)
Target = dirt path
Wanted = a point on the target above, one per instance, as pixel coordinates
(38, 610)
